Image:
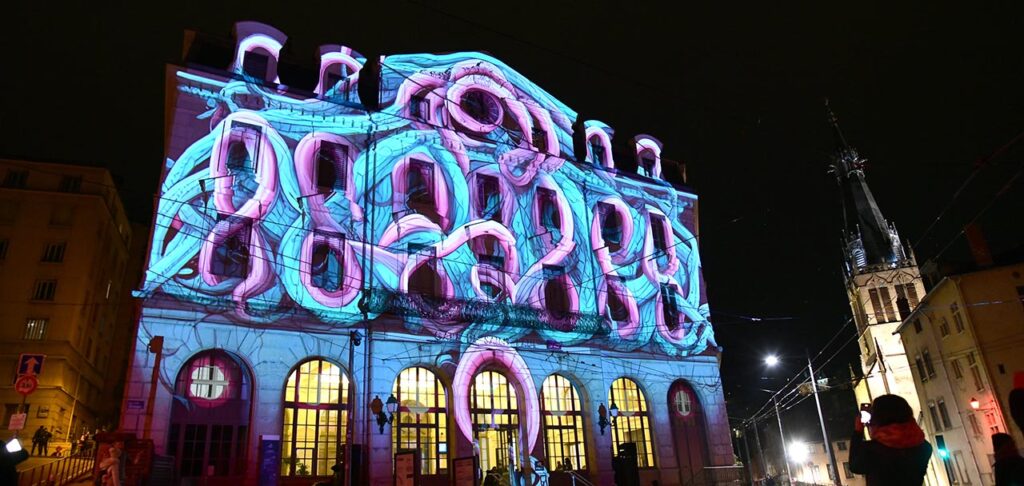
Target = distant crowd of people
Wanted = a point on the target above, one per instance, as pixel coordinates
(83, 444)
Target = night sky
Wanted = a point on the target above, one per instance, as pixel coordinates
(736, 91)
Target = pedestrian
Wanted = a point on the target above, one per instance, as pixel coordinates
(1009, 466)
(45, 442)
(897, 453)
(11, 454)
(37, 439)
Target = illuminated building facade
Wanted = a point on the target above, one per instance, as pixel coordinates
(64, 254)
(465, 247)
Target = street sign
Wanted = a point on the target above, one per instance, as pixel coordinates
(30, 364)
(135, 405)
(17, 421)
(26, 384)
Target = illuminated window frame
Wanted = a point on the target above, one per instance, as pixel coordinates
(320, 407)
(633, 421)
(500, 409)
(207, 380)
(563, 423)
(421, 422)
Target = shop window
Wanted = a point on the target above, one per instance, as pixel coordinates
(327, 265)
(494, 407)
(315, 419)
(488, 198)
(421, 422)
(331, 162)
(563, 425)
(633, 422)
(231, 257)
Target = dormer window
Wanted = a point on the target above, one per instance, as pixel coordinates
(647, 162)
(256, 64)
(488, 200)
(597, 151)
(231, 258)
(548, 209)
(244, 140)
(611, 226)
(334, 74)
(327, 261)
(669, 307)
(330, 167)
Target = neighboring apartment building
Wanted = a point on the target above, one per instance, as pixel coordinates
(966, 338)
(64, 243)
(466, 261)
(815, 468)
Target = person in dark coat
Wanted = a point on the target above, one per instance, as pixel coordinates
(9, 462)
(897, 453)
(1009, 466)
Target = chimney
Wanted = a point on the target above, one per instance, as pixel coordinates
(979, 247)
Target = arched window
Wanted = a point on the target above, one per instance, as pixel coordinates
(315, 418)
(563, 425)
(495, 410)
(632, 424)
(209, 424)
(422, 419)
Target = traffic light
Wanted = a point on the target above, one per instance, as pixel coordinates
(940, 447)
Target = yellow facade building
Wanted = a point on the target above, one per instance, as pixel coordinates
(64, 257)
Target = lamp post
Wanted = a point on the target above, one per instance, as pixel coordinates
(782, 439)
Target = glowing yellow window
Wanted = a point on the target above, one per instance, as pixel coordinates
(633, 424)
(315, 419)
(421, 422)
(563, 425)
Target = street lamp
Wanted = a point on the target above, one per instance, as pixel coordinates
(614, 412)
(771, 360)
(799, 451)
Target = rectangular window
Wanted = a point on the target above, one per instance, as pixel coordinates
(35, 328)
(327, 263)
(921, 371)
(44, 290)
(488, 198)
(62, 215)
(255, 65)
(54, 252)
(944, 327)
(935, 416)
(927, 357)
(670, 311)
(548, 209)
(975, 426)
(958, 320)
(944, 413)
(243, 143)
(958, 463)
(331, 165)
(847, 471)
(902, 302)
(958, 372)
(231, 258)
(418, 107)
(540, 139)
(886, 296)
(70, 184)
(841, 445)
(4, 243)
(972, 362)
(8, 211)
(419, 188)
(993, 423)
(876, 306)
(658, 233)
(16, 178)
(611, 226)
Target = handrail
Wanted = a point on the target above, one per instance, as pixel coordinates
(577, 477)
(59, 472)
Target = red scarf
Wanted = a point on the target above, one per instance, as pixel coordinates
(899, 436)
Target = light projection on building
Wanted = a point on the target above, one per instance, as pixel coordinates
(472, 212)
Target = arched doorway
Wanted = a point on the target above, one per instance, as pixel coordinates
(209, 426)
(421, 422)
(313, 428)
(494, 407)
(687, 419)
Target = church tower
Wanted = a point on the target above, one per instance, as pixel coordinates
(882, 279)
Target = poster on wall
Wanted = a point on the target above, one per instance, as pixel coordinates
(466, 471)
(270, 459)
(407, 468)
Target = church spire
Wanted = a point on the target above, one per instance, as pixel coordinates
(870, 240)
